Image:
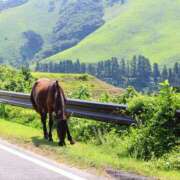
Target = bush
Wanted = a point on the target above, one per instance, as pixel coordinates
(157, 136)
(141, 108)
(129, 94)
(15, 80)
(83, 77)
(81, 93)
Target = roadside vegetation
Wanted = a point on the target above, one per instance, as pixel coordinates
(150, 148)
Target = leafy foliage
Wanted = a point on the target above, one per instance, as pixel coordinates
(157, 135)
(15, 80)
(81, 93)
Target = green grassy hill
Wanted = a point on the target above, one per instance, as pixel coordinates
(72, 82)
(35, 29)
(31, 16)
(150, 28)
(22, 81)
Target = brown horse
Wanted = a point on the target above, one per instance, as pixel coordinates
(48, 97)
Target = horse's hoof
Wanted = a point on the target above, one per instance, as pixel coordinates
(72, 142)
(46, 137)
(61, 144)
(50, 140)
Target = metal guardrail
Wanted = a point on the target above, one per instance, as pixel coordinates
(105, 112)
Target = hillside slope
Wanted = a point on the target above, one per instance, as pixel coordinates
(32, 30)
(150, 28)
(72, 82)
(6, 4)
(20, 24)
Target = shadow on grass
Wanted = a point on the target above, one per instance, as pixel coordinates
(38, 141)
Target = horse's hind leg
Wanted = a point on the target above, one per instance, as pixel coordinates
(61, 130)
(69, 135)
(50, 126)
(43, 120)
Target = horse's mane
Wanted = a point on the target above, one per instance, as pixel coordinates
(60, 100)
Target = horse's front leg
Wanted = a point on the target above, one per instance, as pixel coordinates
(69, 135)
(61, 131)
(43, 120)
(50, 126)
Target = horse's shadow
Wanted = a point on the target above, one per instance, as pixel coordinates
(38, 141)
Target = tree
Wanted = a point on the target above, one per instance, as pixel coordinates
(164, 75)
(77, 67)
(156, 73)
(83, 68)
(115, 69)
(176, 75)
(137, 72)
(133, 66)
(170, 76)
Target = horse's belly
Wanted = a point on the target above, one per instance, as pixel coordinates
(41, 101)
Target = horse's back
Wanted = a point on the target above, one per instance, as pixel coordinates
(40, 94)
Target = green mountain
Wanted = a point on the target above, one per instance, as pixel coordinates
(6, 4)
(28, 25)
(150, 28)
(36, 29)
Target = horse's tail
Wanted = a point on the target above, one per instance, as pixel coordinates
(64, 97)
(32, 98)
(67, 114)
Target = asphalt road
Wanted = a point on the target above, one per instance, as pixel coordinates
(18, 164)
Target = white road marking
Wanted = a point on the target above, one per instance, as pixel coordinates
(41, 163)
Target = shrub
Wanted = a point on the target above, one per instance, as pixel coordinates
(129, 94)
(169, 161)
(15, 80)
(81, 93)
(156, 136)
(83, 77)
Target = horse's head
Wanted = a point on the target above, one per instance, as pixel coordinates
(59, 102)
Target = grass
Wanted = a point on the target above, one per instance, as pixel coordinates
(113, 11)
(146, 27)
(72, 82)
(82, 155)
(32, 15)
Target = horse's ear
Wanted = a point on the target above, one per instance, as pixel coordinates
(57, 83)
